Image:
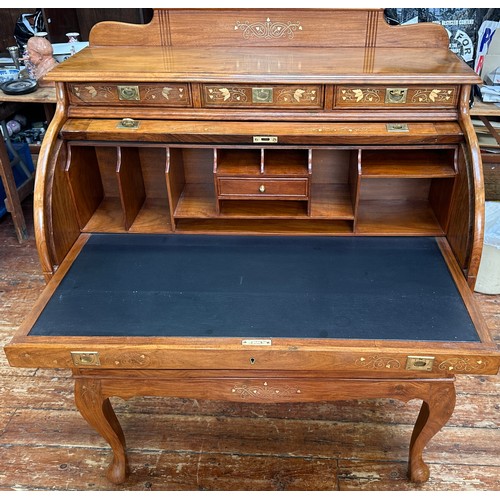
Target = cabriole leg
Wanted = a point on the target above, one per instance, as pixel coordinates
(436, 410)
(98, 412)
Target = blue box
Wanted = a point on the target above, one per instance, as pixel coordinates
(23, 150)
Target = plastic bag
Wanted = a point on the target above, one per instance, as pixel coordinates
(27, 25)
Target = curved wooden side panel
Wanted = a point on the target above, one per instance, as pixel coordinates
(44, 202)
(476, 186)
(269, 28)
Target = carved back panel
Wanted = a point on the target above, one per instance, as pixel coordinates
(268, 27)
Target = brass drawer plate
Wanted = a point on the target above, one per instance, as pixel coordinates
(85, 358)
(128, 93)
(396, 95)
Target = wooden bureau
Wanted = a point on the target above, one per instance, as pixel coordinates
(260, 206)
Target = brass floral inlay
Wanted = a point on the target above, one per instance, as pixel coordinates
(297, 95)
(377, 362)
(360, 95)
(463, 365)
(224, 94)
(268, 29)
(433, 95)
(264, 391)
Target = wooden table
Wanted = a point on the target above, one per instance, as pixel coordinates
(9, 104)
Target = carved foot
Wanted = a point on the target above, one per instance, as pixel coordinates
(98, 412)
(436, 410)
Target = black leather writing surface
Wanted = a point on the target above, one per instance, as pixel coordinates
(391, 288)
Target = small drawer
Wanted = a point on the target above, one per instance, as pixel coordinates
(129, 94)
(263, 188)
(257, 96)
(395, 96)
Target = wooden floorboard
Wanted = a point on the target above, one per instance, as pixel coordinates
(185, 445)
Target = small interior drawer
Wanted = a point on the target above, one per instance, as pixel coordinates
(262, 188)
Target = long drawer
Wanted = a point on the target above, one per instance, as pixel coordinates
(257, 96)
(127, 94)
(348, 96)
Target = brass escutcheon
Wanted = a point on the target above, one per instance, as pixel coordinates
(395, 95)
(262, 188)
(128, 93)
(265, 138)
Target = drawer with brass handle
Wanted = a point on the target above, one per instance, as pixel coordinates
(395, 96)
(265, 187)
(129, 94)
(257, 96)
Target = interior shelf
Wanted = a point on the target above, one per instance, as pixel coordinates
(331, 201)
(397, 217)
(384, 191)
(153, 217)
(421, 163)
(239, 162)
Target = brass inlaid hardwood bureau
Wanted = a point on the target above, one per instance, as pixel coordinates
(260, 206)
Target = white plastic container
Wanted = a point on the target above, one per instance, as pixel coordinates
(488, 277)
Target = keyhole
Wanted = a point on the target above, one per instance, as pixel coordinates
(252, 361)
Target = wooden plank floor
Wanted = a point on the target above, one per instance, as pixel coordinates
(182, 444)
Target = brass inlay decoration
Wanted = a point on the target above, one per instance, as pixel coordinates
(260, 94)
(360, 95)
(128, 93)
(377, 362)
(225, 94)
(85, 358)
(395, 95)
(264, 392)
(91, 92)
(268, 29)
(433, 95)
(463, 365)
(420, 363)
(164, 93)
(297, 95)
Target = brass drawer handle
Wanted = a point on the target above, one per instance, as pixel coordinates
(262, 188)
(395, 95)
(128, 123)
(260, 94)
(90, 358)
(128, 93)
